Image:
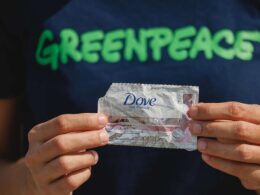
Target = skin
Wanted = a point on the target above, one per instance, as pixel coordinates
(59, 158)
(236, 147)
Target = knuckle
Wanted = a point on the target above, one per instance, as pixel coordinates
(247, 173)
(241, 130)
(32, 135)
(31, 158)
(249, 185)
(29, 161)
(204, 109)
(246, 185)
(64, 164)
(71, 183)
(208, 128)
(244, 152)
(94, 139)
(62, 122)
(91, 121)
(235, 109)
(60, 144)
(88, 117)
(87, 174)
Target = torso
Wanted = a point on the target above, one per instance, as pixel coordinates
(67, 73)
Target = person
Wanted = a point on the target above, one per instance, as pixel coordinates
(59, 56)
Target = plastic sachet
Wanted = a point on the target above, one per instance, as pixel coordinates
(149, 115)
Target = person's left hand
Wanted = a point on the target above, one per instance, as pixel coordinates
(236, 149)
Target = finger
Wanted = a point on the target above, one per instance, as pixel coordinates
(236, 152)
(227, 141)
(225, 111)
(67, 164)
(70, 143)
(67, 123)
(232, 130)
(71, 182)
(243, 171)
(250, 185)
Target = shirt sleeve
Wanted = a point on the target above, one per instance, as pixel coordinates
(12, 71)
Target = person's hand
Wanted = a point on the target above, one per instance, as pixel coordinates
(236, 149)
(58, 156)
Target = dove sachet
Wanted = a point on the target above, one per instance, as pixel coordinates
(149, 115)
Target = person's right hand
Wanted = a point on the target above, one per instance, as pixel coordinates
(58, 156)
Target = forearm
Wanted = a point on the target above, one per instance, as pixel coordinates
(15, 179)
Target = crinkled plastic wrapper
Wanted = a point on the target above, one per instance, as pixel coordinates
(149, 115)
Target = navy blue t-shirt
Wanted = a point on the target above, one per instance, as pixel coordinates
(71, 51)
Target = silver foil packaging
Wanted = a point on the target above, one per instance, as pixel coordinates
(149, 115)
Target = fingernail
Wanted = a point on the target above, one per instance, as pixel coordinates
(202, 145)
(95, 154)
(104, 137)
(193, 111)
(102, 120)
(196, 129)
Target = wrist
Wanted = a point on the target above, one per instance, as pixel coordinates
(16, 179)
(28, 186)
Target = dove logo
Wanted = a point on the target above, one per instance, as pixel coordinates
(131, 99)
